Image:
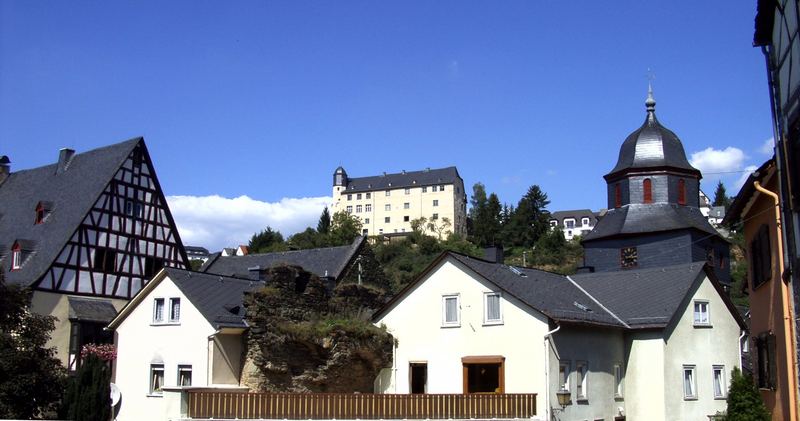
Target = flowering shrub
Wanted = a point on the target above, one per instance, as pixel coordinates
(105, 352)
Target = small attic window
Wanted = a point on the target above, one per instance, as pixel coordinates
(517, 272)
(16, 257)
(41, 212)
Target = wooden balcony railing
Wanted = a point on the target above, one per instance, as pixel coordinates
(293, 406)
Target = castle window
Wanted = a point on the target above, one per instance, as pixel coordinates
(617, 195)
(349, 209)
(16, 257)
(388, 192)
(435, 203)
(424, 189)
(358, 208)
(647, 186)
(349, 197)
(368, 207)
(681, 192)
(629, 257)
(387, 207)
(407, 190)
(369, 195)
(358, 196)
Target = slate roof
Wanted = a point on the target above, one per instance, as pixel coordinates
(747, 192)
(643, 298)
(84, 309)
(195, 250)
(426, 177)
(638, 218)
(328, 261)
(652, 146)
(218, 298)
(550, 293)
(72, 193)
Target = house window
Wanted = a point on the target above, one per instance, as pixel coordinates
(760, 257)
(582, 380)
(365, 231)
(491, 305)
(133, 208)
(681, 192)
(617, 195)
(585, 222)
(689, 385)
(718, 372)
(451, 314)
(441, 188)
(765, 357)
(406, 218)
(563, 375)
(629, 257)
(387, 207)
(406, 205)
(647, 187)
(368, 207)
(349, 197)
(369, 195)
(701, 316)
(366, 220)
(618, 380)
(184, 375)
(16, 257)
(435, 216)
(569, 223)
(174, 309)
(407, 191)
(358, 208)
(388, 192)
(483, 374)
(418, 378)
(104, 260)
(349, 209)
(435, 203)
(425, 189)
(387, 219)
(358, 196)
(158, 310)
(156, 378)
(553, 224)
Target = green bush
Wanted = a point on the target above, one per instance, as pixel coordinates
(88, 393)
(744, 401)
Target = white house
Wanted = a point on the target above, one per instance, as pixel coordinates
(184, 329)
(651, 344)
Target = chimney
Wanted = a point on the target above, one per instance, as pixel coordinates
(64, 158)
(5, 168)
(494, 254)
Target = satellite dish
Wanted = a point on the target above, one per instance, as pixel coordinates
(116, 395)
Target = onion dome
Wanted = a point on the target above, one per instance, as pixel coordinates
(652, 146)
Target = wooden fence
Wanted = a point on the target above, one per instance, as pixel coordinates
(242, 405)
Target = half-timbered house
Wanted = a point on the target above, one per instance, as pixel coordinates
(85, 233)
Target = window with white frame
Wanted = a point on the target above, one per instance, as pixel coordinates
(718, 373)
(569, 223)
(368, 207)
(407, 191)
(349, 209)
(435, 203)
(689, 382)
(585, 222)
(184, 375)
(387, 219)
(425, 189)
(358, 196)
(701, 314)
(366, 220)
(158, 310)
(582, 380)
(349, 197)
(359, 208)
(451, 313)
(441, 188)
(406, 205)
(16, 258)
(491, 305)
(369, 195)
(435, 216)
(174, 310)
(618, 376)
(156, 378)
(563, 375)
(388, 192)
(387, 207)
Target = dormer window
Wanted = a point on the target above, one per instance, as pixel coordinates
(41, 212)
(647, 187)
(16, 257)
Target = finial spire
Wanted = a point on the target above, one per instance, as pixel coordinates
(650, 103)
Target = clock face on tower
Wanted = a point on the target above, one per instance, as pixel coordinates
(628, 257)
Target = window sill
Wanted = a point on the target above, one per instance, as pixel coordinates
(693, 398)
(155, 395)
(703, 325)
(450, 326)
(619, 398)
(720, 398)
(178, 323)
(495, 323)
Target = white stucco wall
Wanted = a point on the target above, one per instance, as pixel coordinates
(644, 376)
(702, 347)
(141, 343)
(416, 322)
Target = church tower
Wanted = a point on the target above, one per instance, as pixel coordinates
(654, 217)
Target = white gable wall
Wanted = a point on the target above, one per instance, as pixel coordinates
(141, 343)
(416, 323)
(702, 347)
(644, 376)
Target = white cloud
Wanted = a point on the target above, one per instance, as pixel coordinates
(215, 221)
(742, 178)
(712, 160)
(768, 147)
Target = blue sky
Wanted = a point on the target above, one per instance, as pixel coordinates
(248, 107)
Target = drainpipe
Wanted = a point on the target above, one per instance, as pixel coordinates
(788, 319)
(740, 349)
(547, 335)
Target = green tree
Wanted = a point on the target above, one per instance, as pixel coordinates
(721, 196)
(266, 241)
(324, 224)
(31, 377)
(744, 400)
(439, 226)
(308, 239)
(530, 219)
(88, 397)
(344, 228)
